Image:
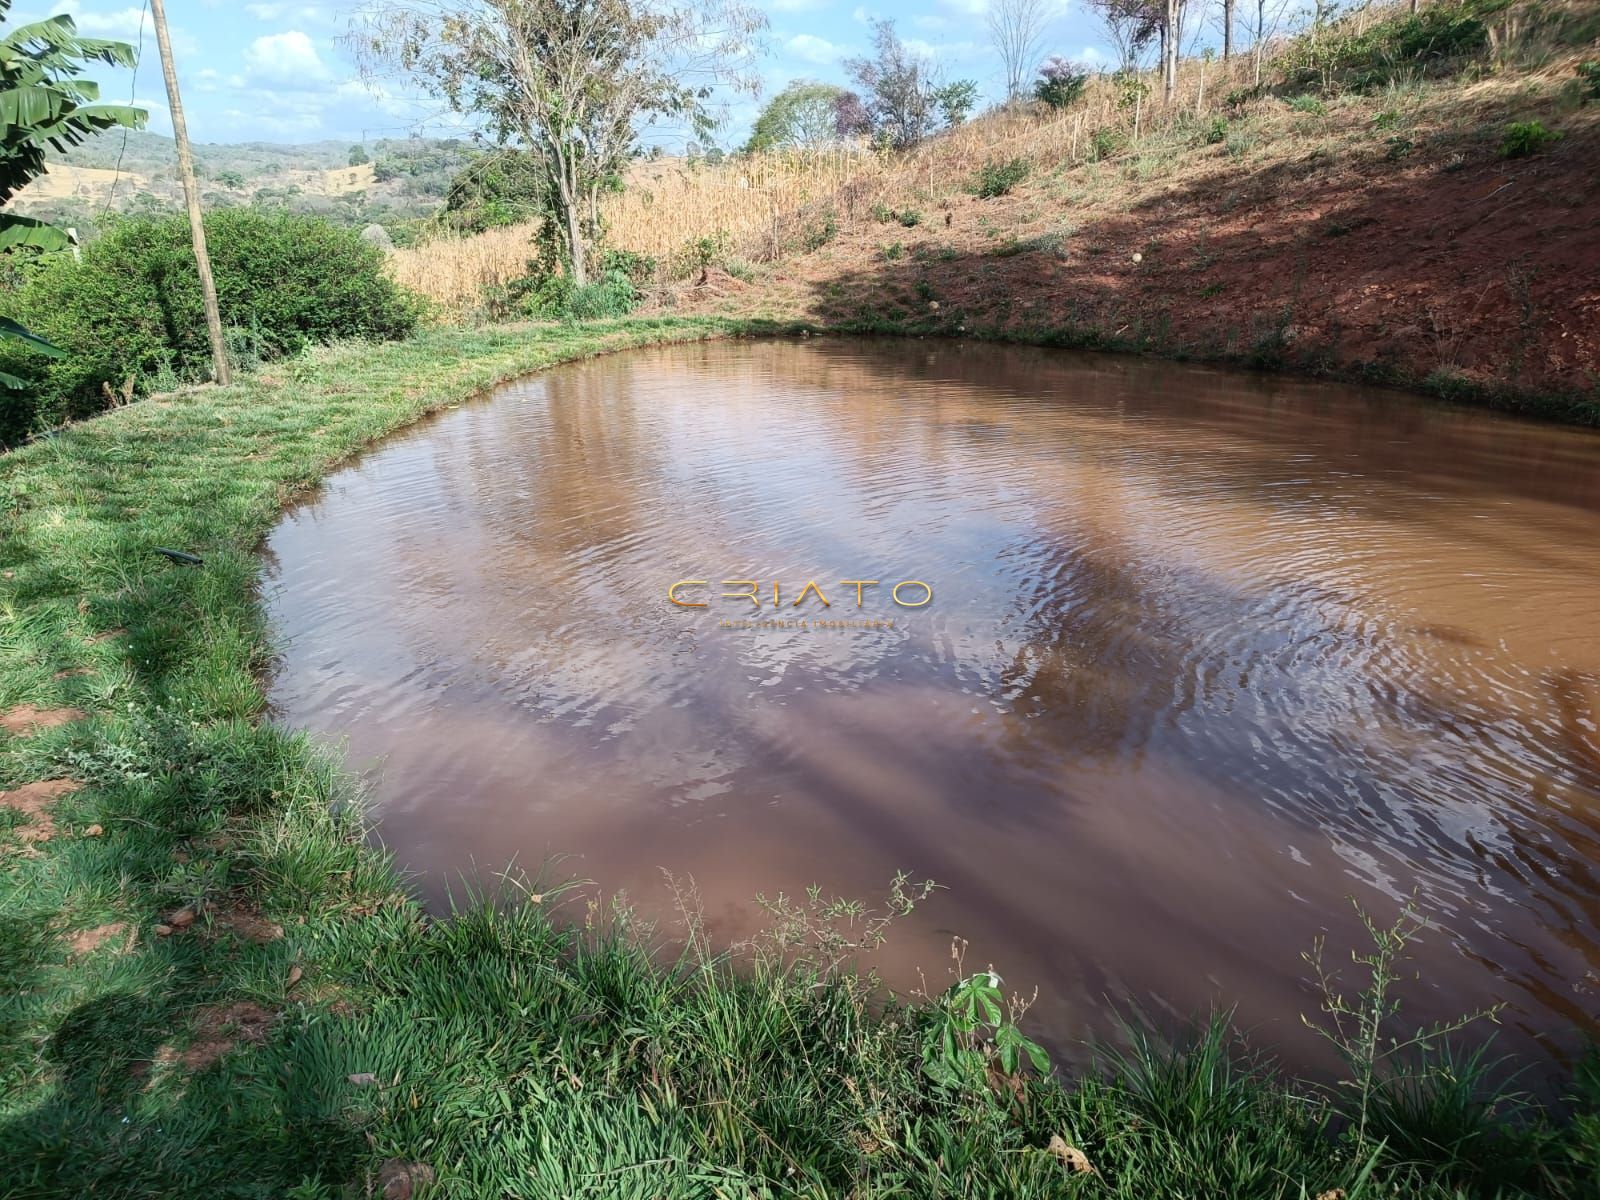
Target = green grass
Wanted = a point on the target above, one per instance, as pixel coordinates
(513, 1053)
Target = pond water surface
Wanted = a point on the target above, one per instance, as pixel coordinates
(1206, 655)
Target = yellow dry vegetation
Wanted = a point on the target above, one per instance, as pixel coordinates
(63, 181)
(341, 181)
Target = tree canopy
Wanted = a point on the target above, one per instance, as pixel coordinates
(803, 116)
(571, 82)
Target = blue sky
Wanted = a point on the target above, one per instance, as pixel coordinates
(273, 71)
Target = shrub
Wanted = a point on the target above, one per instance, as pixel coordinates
(820, 234)
(130, 306)
(1217, 131)
(909, 217)
(1308, 104)
(1104, 142)
(639, 268)
(1435, 41)
(997, 179)
(1060, 82)
(557, 298)
(1589, 76)
(1526, 137)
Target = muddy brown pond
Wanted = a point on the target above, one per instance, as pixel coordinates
(1206, 656)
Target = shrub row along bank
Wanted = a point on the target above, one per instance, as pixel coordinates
(211, 988)
(128, 310)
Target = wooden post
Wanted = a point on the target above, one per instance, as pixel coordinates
(191, 193)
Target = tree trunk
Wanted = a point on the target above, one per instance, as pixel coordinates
(191, 194)
(1227, 30)
(1169, 42)
(579, 264)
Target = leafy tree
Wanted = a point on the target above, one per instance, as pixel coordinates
(358, 156)
(803, 116)
(956, 100)
(569, 81)
(45, 102)
(850, 116)
(1060, 82)
(904, 95)
(501, 188)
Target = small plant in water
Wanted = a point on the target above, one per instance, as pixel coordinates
(1360, 1024)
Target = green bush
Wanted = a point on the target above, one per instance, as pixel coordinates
(639, 268)
(1217, 131)
(1436, 41)
(1526, 137)
(818, 235)
(556, 298)
(1104, 142)
(1308, 104)
(130, 308)
(1060, 82)
(997, 179)
(1589, 76)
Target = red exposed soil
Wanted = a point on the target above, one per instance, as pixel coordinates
(1316, 250)
(34, 801)
(26, 719)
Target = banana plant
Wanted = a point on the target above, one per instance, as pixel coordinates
(46, 104)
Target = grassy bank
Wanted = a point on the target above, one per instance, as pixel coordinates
(213, 988)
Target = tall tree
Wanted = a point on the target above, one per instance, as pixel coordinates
(904, 96)
(804, 116)
(1016, 31)
(45, 103)
(571, 81)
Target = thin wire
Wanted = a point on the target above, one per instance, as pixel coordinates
(133, 91)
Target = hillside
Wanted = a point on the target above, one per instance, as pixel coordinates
(397, 181)
(1369, 209)
(1386, 232)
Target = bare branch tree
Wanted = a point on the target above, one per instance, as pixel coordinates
(1131, 25)
(571, 81)
(1016, 31)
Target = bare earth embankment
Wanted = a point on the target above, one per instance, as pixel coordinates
(1385, 236)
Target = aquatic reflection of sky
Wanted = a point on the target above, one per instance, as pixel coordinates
(1208, 654)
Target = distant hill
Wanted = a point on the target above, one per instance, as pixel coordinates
(395, 182)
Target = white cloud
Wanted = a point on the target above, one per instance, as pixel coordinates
(814, 49)
(941, 49)
(289, 58)
(305, 14)
(1093, 56)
